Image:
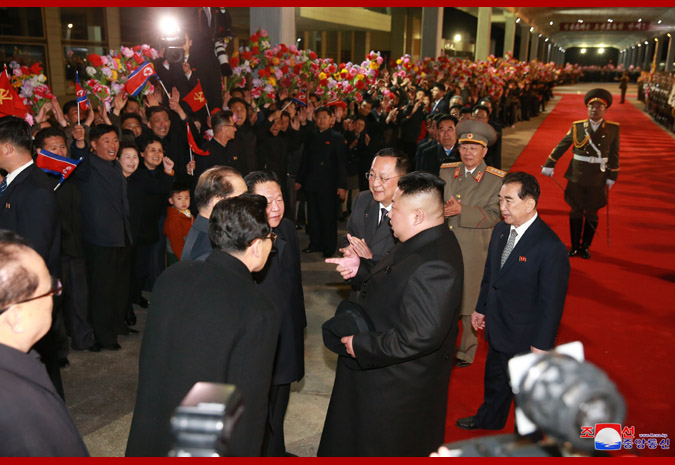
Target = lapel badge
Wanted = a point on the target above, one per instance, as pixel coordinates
(234, 158)
(7, 205)
(327, 142)
(479, 176)
(457, 172)
(522, 259)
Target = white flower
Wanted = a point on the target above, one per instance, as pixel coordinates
(91, 71)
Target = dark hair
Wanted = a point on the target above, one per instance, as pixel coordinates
(126, 116)
(214, 182)
(485, 100)
(220, 118)
(234, 100)
(178, 187)
(402, 162)
(529, 187)
(100, 130)
(254, 178)
(16, 131)
(481, 107)
(236, 222)
(68, 105)
(465, 111)
(126, 105)
(128, 144)
(446, 117)
(146, 139)
(456, 105)
(238, 90)
(127, 136)
(421, 182)
(438, 85)
(360, 118)
(46, 133)
(16, 282)
(156, 109)
(323, 108)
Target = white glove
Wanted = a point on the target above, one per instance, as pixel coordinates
(610, 183)
(547, 171)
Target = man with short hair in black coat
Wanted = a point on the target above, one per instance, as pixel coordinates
(208, 322)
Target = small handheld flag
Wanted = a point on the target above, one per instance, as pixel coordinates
(138, 78)
(81, 94)
(300, 99)
(195, 98)
(193, 145)
(52, 163)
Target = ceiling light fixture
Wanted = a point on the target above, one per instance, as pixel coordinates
(659, 21)
(610, 20)
(550, 23)
(532, 29)
(601, 51)
(457, 38)
(639, 20)
(580, 20)
(517, 20)
(583, 50)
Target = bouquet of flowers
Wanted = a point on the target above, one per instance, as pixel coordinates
(31, 85)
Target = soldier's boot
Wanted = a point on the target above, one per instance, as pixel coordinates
(576, 225)
(589, 232)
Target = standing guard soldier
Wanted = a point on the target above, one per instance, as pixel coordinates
(595, 164)
(472, 208)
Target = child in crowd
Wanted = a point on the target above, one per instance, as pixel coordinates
(178, 222)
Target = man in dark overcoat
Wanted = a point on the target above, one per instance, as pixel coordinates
(209, 322)
(393, 403)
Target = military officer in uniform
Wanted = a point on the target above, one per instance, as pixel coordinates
(472, 209)
(595, 164)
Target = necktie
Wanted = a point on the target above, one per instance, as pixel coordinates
(3, 186)
(383, 217)
(509, 247)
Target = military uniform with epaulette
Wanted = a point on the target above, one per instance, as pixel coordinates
(594, 165)
(478, 194)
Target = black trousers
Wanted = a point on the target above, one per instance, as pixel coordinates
(75, 302)
(322, 221)
(497, 397)
(585, 201)
(108, 279)
(274, 443)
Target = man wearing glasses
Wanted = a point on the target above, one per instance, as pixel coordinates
(34, 420)
(368, 231)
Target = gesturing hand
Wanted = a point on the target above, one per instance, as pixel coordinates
(347, 266)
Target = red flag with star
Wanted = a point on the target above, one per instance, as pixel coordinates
(193, 145)
(195, 98)
(10, 102)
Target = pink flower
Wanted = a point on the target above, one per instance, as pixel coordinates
(263, 33)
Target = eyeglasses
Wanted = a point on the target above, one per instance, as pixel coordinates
(371, 176)
(55, 290)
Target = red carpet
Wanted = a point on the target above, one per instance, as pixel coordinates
(620, 302)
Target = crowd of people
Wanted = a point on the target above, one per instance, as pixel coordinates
(181, 202)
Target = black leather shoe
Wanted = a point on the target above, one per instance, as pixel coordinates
(462, 363)
(575, 252)
(95, 347)
(63, 362)
(585, 254)
(309, 250)
(130, 331)
(112, 347)
(467, 423)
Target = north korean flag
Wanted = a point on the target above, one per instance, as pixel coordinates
(300, 99)
(81, 94)
(56, 164)
(139, 77)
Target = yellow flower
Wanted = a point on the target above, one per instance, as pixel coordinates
(272, 81)
(360, 77)
(114, 75)
(398, 62)
(322, 76)
(374, 65)
(275, 61)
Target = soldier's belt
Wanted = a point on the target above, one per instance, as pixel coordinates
(595, 160)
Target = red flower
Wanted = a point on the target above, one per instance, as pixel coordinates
(246, 56)
(312, 55)
(262, 72)
(25, 70)
(36, 68)
(138, 58)
(297, 68)
(359, 84)
(284, 69)
(283, 48)
(255, 50)
(137, 48)
(254, 38)
(234, 61)
(147, 53)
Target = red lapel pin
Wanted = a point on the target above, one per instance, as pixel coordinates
(522, 259)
